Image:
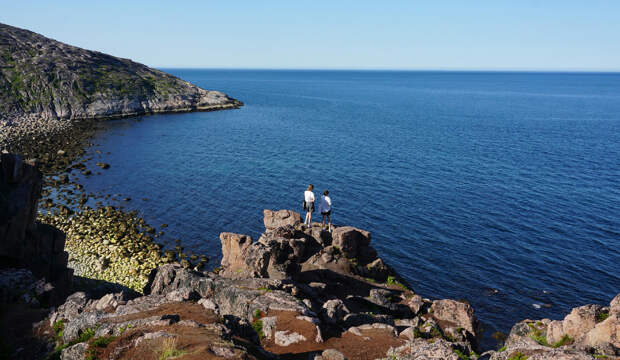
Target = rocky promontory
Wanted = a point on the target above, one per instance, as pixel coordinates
(46, 84)
(297, 292)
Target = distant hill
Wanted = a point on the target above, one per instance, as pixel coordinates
(51, 80)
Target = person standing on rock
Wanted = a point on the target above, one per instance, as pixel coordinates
(325, 207)
(309, 204)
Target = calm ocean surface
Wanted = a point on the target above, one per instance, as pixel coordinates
(468, 181)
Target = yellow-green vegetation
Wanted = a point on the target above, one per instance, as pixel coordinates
(599, 356)
(257, 324)
(86, 335)
(603, 316)
(169, 349)
(391, 280)
(565, 340)
(109, 244)
(538, 335)
(100, 342)
(103, 341)
(518, 356)
(58, 328)
(463, 356)
(502, 349)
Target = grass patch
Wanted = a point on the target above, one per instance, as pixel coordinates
(461, 355)
(262, 288)
(517, 356)
(257, 325)
(603, 316)
(502, 349)
(103, 341)
(257, 314)
(565, 340)
(598, 356)
(84, 336)
(169, 349)
(538, 336)
(391, 280)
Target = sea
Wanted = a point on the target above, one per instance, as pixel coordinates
(501, 188)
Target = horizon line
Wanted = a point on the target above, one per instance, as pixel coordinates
(515, 70)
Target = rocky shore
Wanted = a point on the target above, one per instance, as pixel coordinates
(304, 293)
(48, 87)
(297, 292)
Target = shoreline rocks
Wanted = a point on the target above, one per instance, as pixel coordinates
(288, 302)
(587, 332)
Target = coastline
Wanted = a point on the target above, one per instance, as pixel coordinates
(97, 248)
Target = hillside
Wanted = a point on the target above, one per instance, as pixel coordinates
(45, 79)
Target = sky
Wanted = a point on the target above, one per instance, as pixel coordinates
(338, 34)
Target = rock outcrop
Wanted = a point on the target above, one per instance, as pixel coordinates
(24, 242)
(297, 290)
(302, 292)
(588, 332)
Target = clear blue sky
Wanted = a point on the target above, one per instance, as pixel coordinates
(493, 34)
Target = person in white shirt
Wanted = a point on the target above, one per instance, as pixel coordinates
(325, 207)
(309, 204)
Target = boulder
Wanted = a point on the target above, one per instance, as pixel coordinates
(279, 218)
(234, 248)
(334, 310)
(605, 335)
(286, 338)
(170, 277)
(576, 324)
(332, 354)
(458, 314)
(349, 240)
(75, 352)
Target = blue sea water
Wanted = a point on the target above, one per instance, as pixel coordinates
(468, 181)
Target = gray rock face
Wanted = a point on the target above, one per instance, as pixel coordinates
(286, 338)
(65, 82)
(75, 352)
(420, 349)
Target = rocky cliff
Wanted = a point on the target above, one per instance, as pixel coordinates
(26, 243)
(43, 80)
